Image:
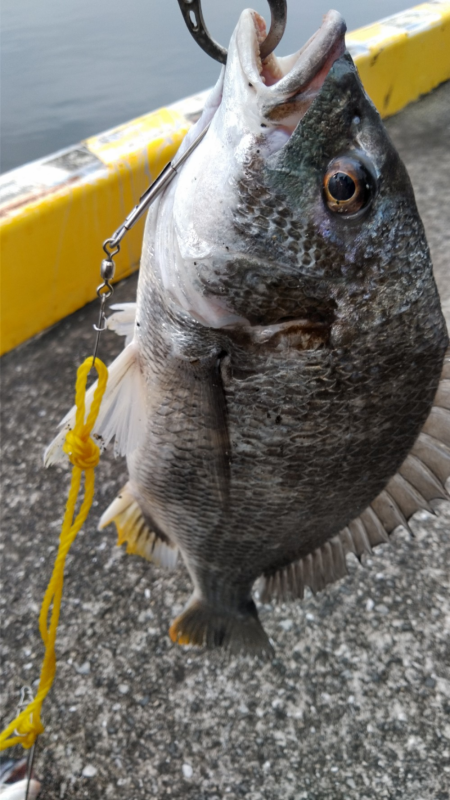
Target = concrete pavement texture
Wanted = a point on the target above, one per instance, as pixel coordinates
(356, 703)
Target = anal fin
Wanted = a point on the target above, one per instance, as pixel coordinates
(134, 530)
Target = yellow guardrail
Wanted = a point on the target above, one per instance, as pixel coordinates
(55, 213)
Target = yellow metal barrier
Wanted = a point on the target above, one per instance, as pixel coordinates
(56, 212)
(403, 56)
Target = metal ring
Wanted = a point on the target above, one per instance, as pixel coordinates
(106, 244)
(193, 17)
(109, 290)
(23, 701)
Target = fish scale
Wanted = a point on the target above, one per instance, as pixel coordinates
(288, 347)
(262, 445)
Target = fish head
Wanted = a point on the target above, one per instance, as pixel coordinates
(295, 204)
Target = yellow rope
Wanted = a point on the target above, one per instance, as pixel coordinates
(84, 456)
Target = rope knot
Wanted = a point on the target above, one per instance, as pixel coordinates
(28, 729)
(82, 450)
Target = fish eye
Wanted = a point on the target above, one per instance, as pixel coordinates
(348, 186)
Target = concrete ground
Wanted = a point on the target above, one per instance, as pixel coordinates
(356, 704)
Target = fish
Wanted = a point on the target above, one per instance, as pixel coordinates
(284, 397)
(13, 780)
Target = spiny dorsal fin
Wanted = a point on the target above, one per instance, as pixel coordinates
(134, 530)
(420, 479)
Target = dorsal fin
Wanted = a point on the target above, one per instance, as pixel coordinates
(420, 479)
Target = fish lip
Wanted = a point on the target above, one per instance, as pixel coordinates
(296, 73)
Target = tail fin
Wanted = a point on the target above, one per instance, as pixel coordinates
(237, 631)
(134, 530)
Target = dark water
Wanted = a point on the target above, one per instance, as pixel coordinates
(72, 68)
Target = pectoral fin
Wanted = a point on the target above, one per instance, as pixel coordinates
(123, 320)
(122, 413)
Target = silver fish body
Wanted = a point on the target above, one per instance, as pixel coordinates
(289, 343)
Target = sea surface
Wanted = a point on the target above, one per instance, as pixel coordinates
(73, 68)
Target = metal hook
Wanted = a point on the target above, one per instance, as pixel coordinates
(104, 292)
(193, 17)
(26, 697)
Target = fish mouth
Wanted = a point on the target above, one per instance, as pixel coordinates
(285, 87)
